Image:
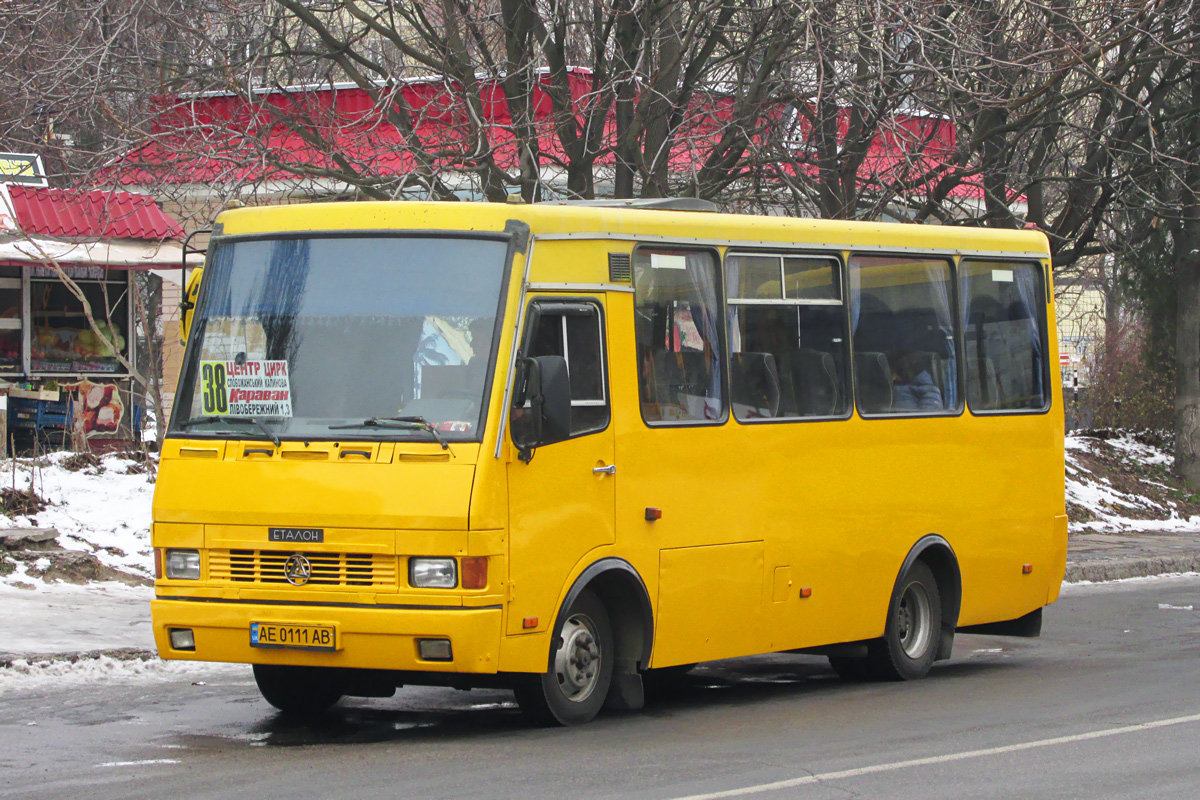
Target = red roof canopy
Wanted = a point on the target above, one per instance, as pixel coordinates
(93, 214)
(214, 138)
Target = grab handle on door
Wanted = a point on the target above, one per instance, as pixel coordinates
(611, 469)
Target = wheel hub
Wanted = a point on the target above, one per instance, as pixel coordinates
(577, 662)
(914, 621)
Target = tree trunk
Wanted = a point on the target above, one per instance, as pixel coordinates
(1187, 350)
(1187, 273)
(1114, 312)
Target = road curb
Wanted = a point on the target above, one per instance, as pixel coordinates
(1118, 569)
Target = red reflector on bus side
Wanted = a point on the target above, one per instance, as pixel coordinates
(1027, 569)
(529, 622)
(653, 514)
(806, 592)
(474, 572)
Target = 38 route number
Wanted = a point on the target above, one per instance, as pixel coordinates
(216, 398)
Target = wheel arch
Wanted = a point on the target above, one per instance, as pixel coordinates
(623, 592)
(939, 556)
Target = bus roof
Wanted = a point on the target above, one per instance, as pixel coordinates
(556, 221)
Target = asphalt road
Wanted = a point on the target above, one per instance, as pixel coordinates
(1105, 704)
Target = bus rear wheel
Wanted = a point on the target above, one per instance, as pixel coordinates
(574, 688)
(299, 691)
(914, 623)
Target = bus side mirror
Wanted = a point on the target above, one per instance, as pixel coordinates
(190, 293)
(544, 383)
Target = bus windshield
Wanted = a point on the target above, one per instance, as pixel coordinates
(327, 337)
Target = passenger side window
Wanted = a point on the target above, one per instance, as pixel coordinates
(575, 331)
(1003, 314)
(677, 303)
(787, 337)
(905, 355)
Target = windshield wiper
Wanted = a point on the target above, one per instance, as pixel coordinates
(214, 418)
(403, 423)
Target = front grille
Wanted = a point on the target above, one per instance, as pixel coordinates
(328, 569)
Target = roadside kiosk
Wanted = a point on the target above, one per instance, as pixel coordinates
(65, 255)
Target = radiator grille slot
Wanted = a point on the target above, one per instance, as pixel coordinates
(265, 567)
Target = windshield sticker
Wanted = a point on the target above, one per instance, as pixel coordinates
(246, 389)
(452, 427)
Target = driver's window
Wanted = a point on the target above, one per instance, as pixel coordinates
(575, 331)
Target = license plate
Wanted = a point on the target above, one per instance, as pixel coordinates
(293, 636)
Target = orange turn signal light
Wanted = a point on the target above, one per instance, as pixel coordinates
(474, 572)
(529, 622)
(158, 568)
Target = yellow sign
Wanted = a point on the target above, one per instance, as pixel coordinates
(22, 168)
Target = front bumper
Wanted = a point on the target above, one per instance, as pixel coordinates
(369, 637)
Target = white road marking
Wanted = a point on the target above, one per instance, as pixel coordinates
(139, 763)
(920, 762)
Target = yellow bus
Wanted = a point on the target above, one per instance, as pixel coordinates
(557, 447)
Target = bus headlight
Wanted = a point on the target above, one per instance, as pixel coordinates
(432, 573)
(183, 565)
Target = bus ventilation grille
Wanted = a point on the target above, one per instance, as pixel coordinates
(619, 268)
(351, 570)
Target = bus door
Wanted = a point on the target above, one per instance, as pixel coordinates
(561, 503)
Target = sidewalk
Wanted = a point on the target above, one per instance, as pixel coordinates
(64, 622)
(1112, 556)
(67, 622)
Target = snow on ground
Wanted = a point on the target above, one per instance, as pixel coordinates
(1122, 484)
(24, 675)
(103, 509)
(62, 618)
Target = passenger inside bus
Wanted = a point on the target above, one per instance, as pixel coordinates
(913, 387)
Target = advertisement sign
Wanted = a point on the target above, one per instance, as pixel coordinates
(22, 168)
(99, 410)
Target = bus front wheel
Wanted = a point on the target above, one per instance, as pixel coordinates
(297, 690)
(574, 688)
(910, 638)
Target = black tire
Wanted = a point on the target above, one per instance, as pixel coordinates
(298, 691)
(573, 690)
(914, 626)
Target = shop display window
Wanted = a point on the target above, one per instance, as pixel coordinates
(10, 319)
(61, 340)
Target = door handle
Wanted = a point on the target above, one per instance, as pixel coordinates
(611, 469)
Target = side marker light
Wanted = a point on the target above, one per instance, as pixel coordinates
(653, 514)
(529, 622)
(1027, 569)
(805, 591)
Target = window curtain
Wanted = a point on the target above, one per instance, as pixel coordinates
(855, 294)
(937, 276)
(733, 269)
(702, 274)
(1030, 290)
